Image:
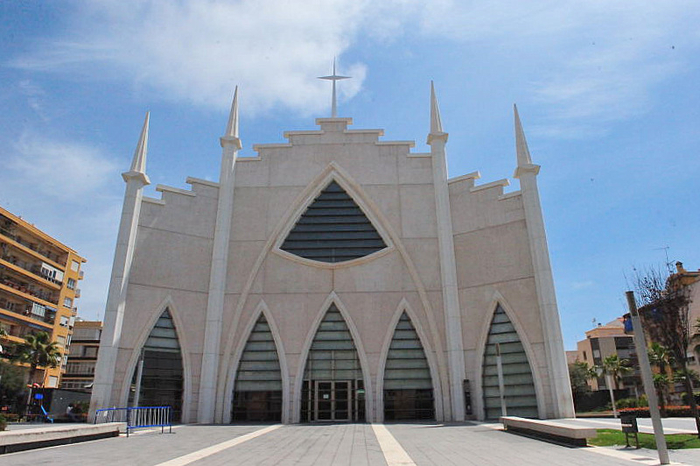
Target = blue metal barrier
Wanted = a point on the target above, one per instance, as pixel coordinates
(48, 418)
(138, 417)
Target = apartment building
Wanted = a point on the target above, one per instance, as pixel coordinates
(82, 355)
(39, 279)
(690, 280)
(608, 340)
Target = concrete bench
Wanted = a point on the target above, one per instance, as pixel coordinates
(50, 435)
(549, 430)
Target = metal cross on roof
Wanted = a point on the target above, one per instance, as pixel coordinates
(334, 77)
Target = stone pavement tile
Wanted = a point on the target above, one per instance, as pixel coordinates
(141, 449)
(302, 445)
(336, 444)
(689, 456)
(482, 445)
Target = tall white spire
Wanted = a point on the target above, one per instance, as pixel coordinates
(231, 134)
(334, 100)
(544, 282)
(135, 179)
(138, 163)
(448, 267)
(230, 144)
(525, 164)
(435, 121)
(520, 142)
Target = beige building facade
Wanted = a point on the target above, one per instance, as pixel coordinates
(82, 355)
(690, 281)
(335, 277)
(39, 289)
(604, 341)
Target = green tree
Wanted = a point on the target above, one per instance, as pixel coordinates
(579, 374)
(12, 385)
(613, 368)
(664, 308)
(661, 384)
(38, 351)
(679, 377)
(660, 357)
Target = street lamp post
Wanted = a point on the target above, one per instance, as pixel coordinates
(645, 369)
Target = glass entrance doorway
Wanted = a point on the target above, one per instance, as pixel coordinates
(333, 388)
(333, 401)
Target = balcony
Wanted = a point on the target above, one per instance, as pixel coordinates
(31, 312)
(7, 228)
(77, 292)
(26, 310)
(27, 291)
(59, 260)
(15, 338)
(16, 333)
(32, 271)
(23, 324)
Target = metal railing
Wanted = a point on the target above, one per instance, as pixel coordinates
(138, 417)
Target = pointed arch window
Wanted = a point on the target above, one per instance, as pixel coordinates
(257, 392)
(519, 388)
(408, 386)
(333, 229)
(162, 377)
(333, 387)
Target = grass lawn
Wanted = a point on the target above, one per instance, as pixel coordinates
(609, 437)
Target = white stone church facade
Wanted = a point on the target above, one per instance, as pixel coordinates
(336, 277)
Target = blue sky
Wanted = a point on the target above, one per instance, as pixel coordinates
(607, 91)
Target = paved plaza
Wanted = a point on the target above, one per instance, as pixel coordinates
(335, 444)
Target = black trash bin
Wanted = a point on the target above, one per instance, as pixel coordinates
(630, 427)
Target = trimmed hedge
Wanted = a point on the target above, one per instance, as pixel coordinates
(671, 411)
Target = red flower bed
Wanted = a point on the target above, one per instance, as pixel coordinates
(671, 411)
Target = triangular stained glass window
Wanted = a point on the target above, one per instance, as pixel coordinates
(333, 229)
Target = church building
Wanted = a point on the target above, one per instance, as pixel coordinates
(334, 277)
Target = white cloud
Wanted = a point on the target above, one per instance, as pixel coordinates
(583, 285)
(596, 61)
(63, 171)
(34, 94)
(198, 51)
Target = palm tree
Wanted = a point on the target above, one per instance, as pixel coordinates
(38, 350)
(662, 358)
(613, 368)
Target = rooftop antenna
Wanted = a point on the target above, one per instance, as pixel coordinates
(334, 101)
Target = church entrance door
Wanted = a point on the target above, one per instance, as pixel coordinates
(333, 400)
(332, 388)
